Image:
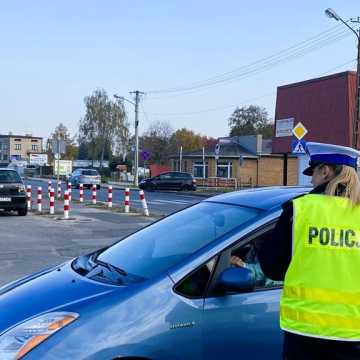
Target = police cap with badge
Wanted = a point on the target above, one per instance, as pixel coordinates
(331, 155)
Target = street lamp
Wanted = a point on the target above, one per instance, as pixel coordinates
(136, 105)
(333, 15)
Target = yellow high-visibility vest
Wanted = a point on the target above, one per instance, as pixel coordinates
(321, 295)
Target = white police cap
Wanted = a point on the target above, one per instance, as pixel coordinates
(330, 154)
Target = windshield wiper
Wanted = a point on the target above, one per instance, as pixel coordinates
(109, 266)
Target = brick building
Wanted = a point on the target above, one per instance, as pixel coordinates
(244, 160)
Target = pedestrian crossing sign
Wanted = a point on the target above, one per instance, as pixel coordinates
(298, 147)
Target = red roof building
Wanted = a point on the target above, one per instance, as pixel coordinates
(325, 106)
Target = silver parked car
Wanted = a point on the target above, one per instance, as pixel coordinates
(87, 177)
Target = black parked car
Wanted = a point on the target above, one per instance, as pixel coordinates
(173, 180)
(12, 192)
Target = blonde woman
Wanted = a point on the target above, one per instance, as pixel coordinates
(316, 252)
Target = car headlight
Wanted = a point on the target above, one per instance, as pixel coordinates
(21, 189)
(18, 341)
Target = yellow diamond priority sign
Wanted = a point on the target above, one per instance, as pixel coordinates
(299, 131)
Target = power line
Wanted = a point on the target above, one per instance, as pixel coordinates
(244, 101)
(316, 42)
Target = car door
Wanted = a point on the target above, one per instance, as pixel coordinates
(242, 325)
(164, 181)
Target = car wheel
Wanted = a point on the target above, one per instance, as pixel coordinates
(22, 212)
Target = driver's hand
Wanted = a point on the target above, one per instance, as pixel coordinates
(236, 261)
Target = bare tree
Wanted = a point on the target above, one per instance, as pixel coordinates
(156, 140)
(104, 124)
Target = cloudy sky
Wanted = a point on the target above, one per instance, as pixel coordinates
(195, 60)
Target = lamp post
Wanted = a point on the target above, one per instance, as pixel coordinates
(136, 105)
(333, 15)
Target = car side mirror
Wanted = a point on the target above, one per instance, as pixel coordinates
(236, 279)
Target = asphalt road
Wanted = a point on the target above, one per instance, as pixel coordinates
(159, 202)
(34, 242)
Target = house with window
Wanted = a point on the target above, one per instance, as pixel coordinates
(237, 161)
(19, 147)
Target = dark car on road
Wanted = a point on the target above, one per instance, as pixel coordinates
(12, 192)
(172, 180)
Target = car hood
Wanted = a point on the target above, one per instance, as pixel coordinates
(47, 291)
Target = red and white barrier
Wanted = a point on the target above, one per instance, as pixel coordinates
(66, 204)
(28, 196)
(59, 190)
(52, 201)
(110, 196)
(127, 200)
(81, 192)
(69, 191)
(94, 194)
(49, 188)
(143, 203)
(39, 199)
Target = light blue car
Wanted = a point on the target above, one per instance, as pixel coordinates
(166, 292)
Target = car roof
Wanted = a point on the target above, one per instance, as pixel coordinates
(267, 198)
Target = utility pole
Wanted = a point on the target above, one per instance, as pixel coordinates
(136, 105)
(333, 15)
(136, 158)
(357, 100)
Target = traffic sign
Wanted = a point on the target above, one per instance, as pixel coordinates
(299, 131)
(217, 151)
(298, 147)
(145, 155)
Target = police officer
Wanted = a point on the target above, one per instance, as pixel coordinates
(316, 251)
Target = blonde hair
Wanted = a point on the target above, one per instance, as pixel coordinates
(346, 183)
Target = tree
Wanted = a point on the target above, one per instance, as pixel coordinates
(156, 140)
(250, 120)
(104, 127)
(61, 132)
(185, 138)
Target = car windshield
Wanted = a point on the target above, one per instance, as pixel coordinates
(9, 176)
(157, 247)
(89, 172)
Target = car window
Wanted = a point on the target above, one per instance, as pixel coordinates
(246, 256)
(90, 172)
(195, 284)
(9, 176)
(161, 245)
(165, 177)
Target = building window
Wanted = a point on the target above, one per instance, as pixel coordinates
(34, 147)
(176, 166)
(224, 170)
(17, 146)
(198, 169)
(5, 157)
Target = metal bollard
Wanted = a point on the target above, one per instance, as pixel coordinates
(127, 200)
(66, 205)
(110, 195)
(143, 203)
(39, 199)
(94, 194)
(69, 191)
(59, 190)
(49, 188)
(52, 201)
(81, 192)
(28, 196)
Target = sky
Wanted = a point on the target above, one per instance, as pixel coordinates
(54, 53)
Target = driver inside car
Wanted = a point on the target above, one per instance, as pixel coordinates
(251, 262)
